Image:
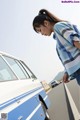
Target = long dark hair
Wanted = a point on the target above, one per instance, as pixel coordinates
(44, 15)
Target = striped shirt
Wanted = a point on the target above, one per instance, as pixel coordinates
(65, 34)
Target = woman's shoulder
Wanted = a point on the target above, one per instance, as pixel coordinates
(62, 24)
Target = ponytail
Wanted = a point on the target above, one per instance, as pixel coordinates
(49, 15)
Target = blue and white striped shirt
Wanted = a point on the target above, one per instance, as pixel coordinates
(65, 34)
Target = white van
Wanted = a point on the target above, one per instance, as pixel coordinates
(22, 96)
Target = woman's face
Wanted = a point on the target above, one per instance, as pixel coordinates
(45, 29)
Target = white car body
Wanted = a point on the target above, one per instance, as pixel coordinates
(20, 97)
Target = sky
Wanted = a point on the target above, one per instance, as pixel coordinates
(18, 38)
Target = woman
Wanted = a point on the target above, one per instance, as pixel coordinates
(68, 41)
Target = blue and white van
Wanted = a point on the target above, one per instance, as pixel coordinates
(22, 96)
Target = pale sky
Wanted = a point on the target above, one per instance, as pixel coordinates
(18, 38)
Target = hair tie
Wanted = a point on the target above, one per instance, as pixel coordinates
(42, 12)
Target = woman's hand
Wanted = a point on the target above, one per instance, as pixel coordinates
(77, 44)
(65, 78)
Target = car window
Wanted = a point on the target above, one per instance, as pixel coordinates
(23, 69)
(29, 72)
(16, 68)
(5, 72)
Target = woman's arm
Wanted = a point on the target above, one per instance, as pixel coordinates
(77, 44)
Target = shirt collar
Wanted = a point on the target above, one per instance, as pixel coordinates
(54, 35)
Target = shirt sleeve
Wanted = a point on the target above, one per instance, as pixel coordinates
(70, 33)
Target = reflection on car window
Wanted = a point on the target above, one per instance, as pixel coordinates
(16, 68)
(5, 71)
